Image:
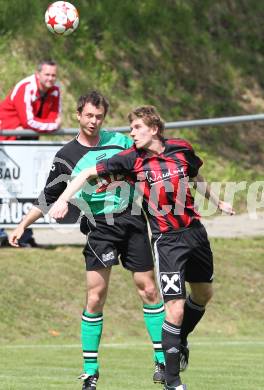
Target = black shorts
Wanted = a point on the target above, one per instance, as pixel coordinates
(127, 239)
(182, 256)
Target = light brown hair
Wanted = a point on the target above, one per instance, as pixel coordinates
(150, 116)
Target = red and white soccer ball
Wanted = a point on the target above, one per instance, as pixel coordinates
(62, 18)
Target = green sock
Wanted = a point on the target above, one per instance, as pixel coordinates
(91, 331)
(154, 316)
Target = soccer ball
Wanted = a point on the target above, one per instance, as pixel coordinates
(61, 18)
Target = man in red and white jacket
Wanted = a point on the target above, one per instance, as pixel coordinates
(34, 103)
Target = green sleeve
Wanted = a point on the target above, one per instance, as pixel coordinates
(128, 142)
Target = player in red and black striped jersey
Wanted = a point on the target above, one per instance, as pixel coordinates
(161, 171)
(163, 180)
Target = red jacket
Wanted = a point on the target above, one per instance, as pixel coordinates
(22, 108)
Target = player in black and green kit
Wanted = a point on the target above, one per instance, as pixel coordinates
(112, 232)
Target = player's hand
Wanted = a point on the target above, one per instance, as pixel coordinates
(59, 209)
(15, 236)
(226, 207)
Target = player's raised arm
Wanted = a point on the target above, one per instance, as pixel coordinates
(204, 188)
(60, 207)
(34, 214)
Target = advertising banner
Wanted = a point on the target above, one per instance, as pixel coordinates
(24, 167)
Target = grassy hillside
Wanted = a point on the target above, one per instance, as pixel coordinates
(193, 59)
(42, 294)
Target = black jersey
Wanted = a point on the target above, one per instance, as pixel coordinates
(71, 159)
(163, 180)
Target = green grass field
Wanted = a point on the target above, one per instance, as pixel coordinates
(215, 365)
(42, 291)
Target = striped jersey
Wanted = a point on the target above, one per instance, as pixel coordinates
(162, 180)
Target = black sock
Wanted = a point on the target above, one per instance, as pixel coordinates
(192, 315)
(171, 342)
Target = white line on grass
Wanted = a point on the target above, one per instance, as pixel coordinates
(141, 345)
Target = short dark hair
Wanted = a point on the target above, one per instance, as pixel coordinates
(46, 62)
(150, 116)
(95, 98)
